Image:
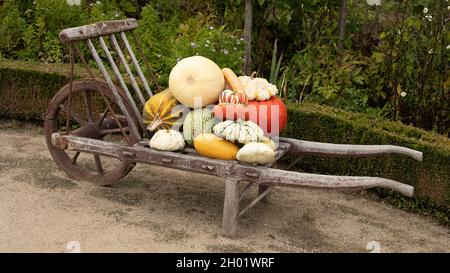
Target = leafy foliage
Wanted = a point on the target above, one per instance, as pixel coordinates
(394, 61)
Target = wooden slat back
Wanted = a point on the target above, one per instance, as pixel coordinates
(97, 29)
(107, 30)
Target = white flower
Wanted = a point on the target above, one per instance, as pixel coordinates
(425, 10)
(208, 41)
(448, 47)
(242, 39)
(429, 17)
(206, 45)
(430, 51)
(194, 45)
(158, 55)
(234, 48)
(225, 52)
(448, 7)
(98, 3)
(116, 14)
(73, 2)
(403, 94)
(211, 27)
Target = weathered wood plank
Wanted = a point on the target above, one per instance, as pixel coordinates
(329, 149)
(226, 169)
(261, 190)
(97, 29)
(257, 199)
(230, 208)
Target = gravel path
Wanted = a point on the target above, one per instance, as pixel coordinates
(159, 210)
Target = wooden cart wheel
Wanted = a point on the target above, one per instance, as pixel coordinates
(89, 117)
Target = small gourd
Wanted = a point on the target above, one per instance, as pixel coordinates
(197, 122)
(257, 88)
(256, 153)
(239, 131)
(231, 97)
(159, 111)
(167, 140)
(269, 142)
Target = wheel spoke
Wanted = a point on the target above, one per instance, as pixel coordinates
(115, 130)
(87, 102)
(98, 163)
(75, 157)
(104, 114)
(73, 115)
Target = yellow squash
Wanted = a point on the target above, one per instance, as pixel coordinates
(212, 146)
(158, 112)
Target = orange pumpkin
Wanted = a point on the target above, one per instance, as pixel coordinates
(270, 115)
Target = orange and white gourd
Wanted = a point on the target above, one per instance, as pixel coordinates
(230, 97)
(234, 94)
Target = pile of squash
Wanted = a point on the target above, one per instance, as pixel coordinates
(221, 115)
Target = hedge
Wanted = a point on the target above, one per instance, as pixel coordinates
(26, 88)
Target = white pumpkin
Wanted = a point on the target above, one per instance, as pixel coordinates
(196, 82)
(167, 140)
(256, 153)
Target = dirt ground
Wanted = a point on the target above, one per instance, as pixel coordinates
(160, 210)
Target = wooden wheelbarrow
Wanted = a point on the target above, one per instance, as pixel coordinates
(95, 133)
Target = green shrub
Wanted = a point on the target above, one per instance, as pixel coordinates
(173, 40)
(12, 28)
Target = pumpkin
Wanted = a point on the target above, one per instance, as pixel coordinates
(197, 122)
(230, 97)
(212, 146)
(270, 115)
(256, 153)
(196, 82)
(257, 88)
(239, 131)
(158, 111)
(167, 140)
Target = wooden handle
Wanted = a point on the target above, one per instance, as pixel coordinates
(329, 149)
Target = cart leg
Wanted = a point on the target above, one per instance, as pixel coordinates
(230, 208)
(261, 189)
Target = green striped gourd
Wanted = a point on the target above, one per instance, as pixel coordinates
(197, 122)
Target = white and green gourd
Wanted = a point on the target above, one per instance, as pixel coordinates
(197, 122)
(239, 131)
